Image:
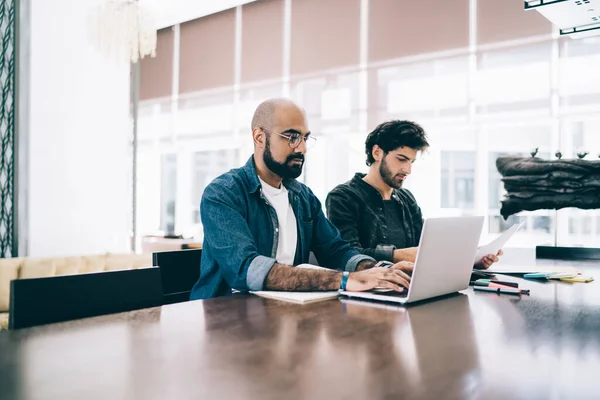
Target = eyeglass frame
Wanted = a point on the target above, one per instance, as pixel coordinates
(289, 138)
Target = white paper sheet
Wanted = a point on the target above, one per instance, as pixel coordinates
(297, 297)
(496, 245)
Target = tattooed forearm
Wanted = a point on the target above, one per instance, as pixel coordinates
(284, 277)
(365, 265)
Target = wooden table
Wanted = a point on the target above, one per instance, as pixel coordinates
(470, 346)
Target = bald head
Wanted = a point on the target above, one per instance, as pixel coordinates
(268, 112)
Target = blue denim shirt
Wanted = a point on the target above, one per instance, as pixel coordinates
(241, 234)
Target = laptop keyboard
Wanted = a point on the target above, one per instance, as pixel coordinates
(390, 293)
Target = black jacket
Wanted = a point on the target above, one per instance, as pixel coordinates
(356, 209)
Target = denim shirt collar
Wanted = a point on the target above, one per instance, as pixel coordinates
(254, 184)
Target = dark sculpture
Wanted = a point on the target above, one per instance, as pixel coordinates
(558, 154)
(534, 184)
(534, 152)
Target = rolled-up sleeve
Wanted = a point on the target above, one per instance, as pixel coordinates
(232, 244)
(355, 260)
(258, 271)
(384, 252)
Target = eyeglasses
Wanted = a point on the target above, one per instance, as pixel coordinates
(295, 138)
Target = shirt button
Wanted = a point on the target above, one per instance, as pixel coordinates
(276, 229)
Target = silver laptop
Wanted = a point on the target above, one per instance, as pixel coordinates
(444, 261)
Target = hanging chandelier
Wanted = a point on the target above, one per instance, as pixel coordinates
(124, 29)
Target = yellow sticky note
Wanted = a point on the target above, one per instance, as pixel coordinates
(578, 278)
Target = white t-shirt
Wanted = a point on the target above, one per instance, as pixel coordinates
(288, 234)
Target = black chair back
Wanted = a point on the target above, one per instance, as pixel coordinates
(180, 270)
(41, 301)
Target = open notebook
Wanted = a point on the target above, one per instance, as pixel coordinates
(299, 297)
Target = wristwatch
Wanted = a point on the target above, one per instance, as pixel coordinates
(344, 282)
(384, 264)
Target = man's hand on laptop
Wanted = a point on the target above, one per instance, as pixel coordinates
(404, 266)
(388, 278)
(488, 260)
(409, 254)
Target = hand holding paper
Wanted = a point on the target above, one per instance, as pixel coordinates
(488, 260)
(495, 246)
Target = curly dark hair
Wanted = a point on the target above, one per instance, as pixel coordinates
(393, 134)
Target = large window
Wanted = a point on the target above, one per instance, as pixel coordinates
(423, 90)
(514, 79)
(477, 103)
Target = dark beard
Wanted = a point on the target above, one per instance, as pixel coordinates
(387, 176)
(282, 169)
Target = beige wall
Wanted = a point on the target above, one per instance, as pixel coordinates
(323, 35)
